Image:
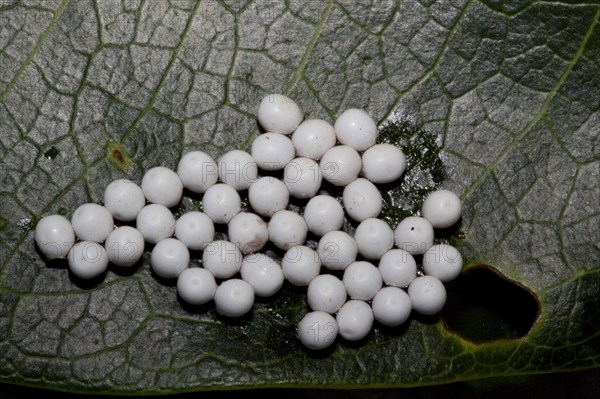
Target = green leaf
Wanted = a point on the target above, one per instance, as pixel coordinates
(91, 91)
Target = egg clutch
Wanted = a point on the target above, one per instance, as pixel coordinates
(351, 280)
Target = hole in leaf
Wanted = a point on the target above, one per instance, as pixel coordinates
(51, 153)
(26, 224)
(485, 306)
(459, 235)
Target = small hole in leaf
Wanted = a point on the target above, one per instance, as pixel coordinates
(459, 235)
(485, 306)
(51, 153)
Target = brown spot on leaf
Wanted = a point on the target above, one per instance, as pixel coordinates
(117, 156)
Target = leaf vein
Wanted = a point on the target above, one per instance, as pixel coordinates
(540, 114)
(163, 78)
(309, 49)
(59, 11)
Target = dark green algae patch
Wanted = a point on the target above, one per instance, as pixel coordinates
(424, 173)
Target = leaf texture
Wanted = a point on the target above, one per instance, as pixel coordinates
(92, 91)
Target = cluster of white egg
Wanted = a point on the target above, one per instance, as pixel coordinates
(233, 272)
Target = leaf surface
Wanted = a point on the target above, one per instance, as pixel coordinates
(92, 91)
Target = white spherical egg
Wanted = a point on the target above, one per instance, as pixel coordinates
(313, 138)
(374, 238)
(287, 229)
(303, 178)
(263, 273)
(300, 265)
(317, 330)
(428, 295)
(323, 214)
(92, 222)
(278, 113)
(197, 171)
(221, 202)
(391, 306)
(355, 320)
(268, 195)
(383, 163)
(354, 127)
(124, 199)
(362, 280)
(340, 165)
(238, 169)
(414, 234)
(155, 222)
(54, 236)
(222, 258)
(195, 230)
(362, 200)
(248, 231)
(442, 208)
(398, 268)
(272, 151)
(442, 261)
(125, 246)
(234, 298)
(196, 286)
(337, 249)
(169, 258)
(162, 186)
(87, 259)
(326, 292)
